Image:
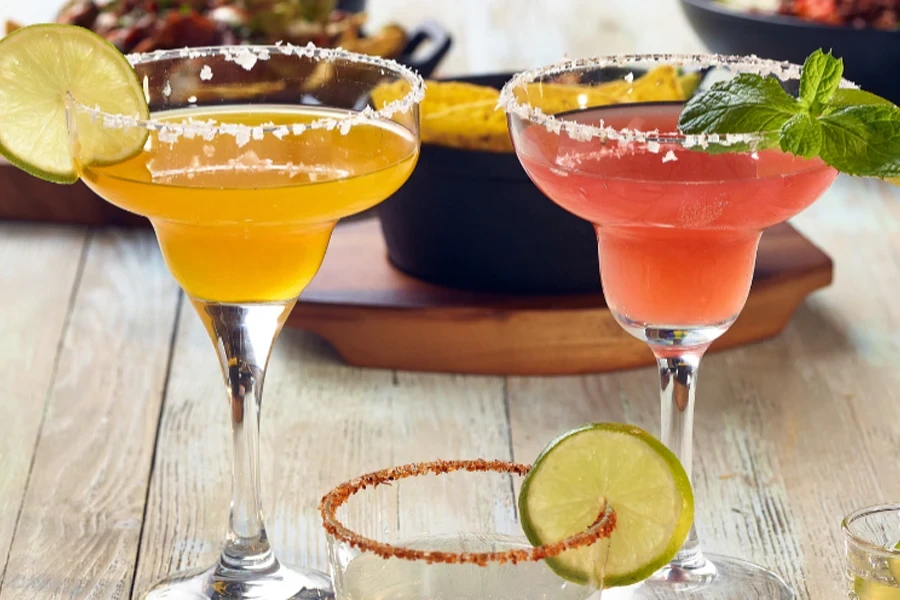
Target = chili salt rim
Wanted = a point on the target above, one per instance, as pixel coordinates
(333, 500)
(247, 57)
(783, 70)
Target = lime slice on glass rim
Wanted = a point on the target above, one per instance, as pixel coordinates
(39, 66)
(580, 472)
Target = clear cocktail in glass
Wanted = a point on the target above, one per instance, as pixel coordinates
(456, 535)
(678, 228)
(250, 157)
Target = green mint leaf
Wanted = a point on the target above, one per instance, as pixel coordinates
(862, 140)
(749, 103)
(819, 79)
(849, 97)
(855, 132)
(802, 136)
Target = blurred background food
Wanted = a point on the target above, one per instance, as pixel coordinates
(148, 25)
(880, 14)
(496, 36)
(464, 115)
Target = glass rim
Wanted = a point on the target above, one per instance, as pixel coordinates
(868, 546)
(247, 57)
(783, 70)
(333, 500)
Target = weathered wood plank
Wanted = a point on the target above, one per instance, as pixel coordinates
(839, 443)
(38, 273)
(81, 518)
(322, 423)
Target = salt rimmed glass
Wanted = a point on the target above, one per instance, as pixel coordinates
(250, 156)
(677, 226)
(447, 529)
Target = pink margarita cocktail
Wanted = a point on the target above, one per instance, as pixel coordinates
(678, 228)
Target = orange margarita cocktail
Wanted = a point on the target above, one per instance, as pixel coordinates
(243, 159)
(264, 208)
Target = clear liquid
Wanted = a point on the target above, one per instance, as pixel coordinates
(369, 577)
(872, 577)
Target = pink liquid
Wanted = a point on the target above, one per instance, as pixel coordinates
(677, 239)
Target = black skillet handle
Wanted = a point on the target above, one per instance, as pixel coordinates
(438, 41)
(351, 6)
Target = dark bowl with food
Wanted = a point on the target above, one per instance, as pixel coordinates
(870, 50)
(473, 220)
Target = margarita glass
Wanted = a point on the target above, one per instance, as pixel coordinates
(678, 228)
(249, 158)
(446, 540)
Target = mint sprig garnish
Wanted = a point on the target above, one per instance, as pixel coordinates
(820, 79)
(855, 132)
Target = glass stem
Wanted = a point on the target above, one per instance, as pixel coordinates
(678, 376)
(243, 335)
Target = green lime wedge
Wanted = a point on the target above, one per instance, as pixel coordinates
(626, 467)
(39, 65)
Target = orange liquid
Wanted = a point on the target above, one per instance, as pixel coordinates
(251, 223)
(677, 239)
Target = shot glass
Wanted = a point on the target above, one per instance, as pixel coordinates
(872, 541)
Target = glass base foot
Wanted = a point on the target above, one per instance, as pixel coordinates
(221, 583)
(719, 578)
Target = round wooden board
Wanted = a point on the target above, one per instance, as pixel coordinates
(376, 316)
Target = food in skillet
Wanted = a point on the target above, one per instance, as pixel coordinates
(148, 25)
(465, 116)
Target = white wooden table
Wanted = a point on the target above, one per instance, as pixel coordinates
(113, 424)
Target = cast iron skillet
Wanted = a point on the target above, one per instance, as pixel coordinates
(352, 6)
(428, 43)
(870, 55)
(474, 220)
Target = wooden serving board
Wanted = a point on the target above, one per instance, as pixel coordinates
(376, 316)
(27, 198)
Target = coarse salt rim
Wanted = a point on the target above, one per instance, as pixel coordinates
(247, 57)
(783, 70)
(328, 507)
